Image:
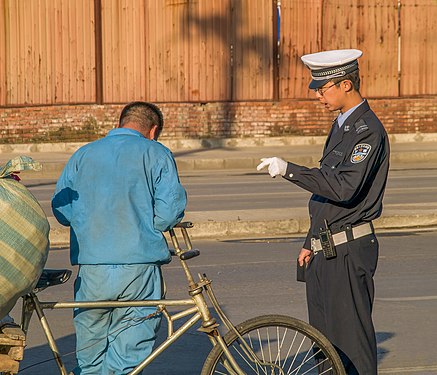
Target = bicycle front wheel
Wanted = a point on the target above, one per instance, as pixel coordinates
(280, 344)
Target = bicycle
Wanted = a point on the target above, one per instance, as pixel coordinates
(269, 344)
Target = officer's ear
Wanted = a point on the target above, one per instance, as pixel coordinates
(347, 85)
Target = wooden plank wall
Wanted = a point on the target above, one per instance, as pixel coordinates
(208, 50)
(2, 54)
(301, 34)
(216, 50)
(209, 33)
(252, 50)
(418, 47)
(167, 50)
(188, 50)
(49, 51)
(371, 27)
(123, 50)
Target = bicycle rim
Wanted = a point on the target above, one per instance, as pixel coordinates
(282, 345)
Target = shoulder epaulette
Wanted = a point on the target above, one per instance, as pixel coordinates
(360, 126)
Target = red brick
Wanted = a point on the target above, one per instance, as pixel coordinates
(217, 120)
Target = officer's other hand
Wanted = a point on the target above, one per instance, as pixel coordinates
(304, 256)
(276, 166)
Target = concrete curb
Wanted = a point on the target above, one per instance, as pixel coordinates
(59, 236)
(54, 169)
(220, 154)
(211, 143)
(208, 154)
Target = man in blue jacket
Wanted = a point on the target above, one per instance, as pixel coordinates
(118, 195)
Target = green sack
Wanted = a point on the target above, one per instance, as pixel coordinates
(24, 235)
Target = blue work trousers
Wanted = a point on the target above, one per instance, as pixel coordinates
(115, 340)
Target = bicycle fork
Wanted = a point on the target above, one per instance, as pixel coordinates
(210, 325)
(244, 346)
(195, 290)
(31, 303)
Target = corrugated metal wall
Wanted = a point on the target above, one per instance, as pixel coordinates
(371, 26)
(123, 50)
(167, 40)
(208, 32)
(252, 52)
(206, 50)
(209, 50)
(419, 47)
(48, 53)
(3, 81)
(300, 34)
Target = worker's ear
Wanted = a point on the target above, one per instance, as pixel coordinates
(153, 134)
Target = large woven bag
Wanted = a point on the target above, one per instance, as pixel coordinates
(24, 235)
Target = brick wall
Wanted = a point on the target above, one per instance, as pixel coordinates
(81, 123)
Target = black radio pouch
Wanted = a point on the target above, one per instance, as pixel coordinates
(327, 242)
(300, 271)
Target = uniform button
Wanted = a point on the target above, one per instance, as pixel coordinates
(290, 175)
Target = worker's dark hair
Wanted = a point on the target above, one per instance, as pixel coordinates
(145, 114)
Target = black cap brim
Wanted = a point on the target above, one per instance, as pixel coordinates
(315, 84)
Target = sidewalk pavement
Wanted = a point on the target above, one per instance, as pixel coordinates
(245, 154)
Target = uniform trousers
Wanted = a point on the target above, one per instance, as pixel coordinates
(340, 294)
(115, 340)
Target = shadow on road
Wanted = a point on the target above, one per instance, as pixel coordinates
(39, 360)
(185, 356)
(380, 338)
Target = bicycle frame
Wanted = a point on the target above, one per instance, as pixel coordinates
(196, 307)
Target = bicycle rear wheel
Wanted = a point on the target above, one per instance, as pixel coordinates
(282, 344)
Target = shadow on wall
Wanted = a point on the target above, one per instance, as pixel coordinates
(245, 63)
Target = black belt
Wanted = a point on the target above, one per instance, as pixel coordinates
(341, 237)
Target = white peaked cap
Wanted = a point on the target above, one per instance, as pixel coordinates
(327, 65)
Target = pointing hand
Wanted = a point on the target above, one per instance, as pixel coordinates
(276, 166)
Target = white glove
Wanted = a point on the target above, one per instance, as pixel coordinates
(276, 166)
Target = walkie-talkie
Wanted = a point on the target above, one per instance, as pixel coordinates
(327, 242)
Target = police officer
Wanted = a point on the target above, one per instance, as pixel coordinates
(341, 250)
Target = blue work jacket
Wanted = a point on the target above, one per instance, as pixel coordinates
(118, 195)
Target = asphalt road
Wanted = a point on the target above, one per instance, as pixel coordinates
(257, 276)
(244, 190)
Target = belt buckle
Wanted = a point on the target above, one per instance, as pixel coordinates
(313, 244)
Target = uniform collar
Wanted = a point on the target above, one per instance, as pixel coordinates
(342, 117)
(124, 131)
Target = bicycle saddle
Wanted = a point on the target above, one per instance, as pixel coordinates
(52, 277)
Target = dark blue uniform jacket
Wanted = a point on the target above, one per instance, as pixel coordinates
(348, 186)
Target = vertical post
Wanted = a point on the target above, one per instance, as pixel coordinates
(4, 41)
(231, 47)
(399, 48)
(276, 18)
(98, 50)
(320, 46)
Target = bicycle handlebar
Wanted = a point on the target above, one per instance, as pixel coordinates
(189, 252)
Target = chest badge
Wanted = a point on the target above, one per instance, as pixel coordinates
(360, 152)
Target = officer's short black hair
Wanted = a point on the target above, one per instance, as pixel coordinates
(145, 114)
(354, 77)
